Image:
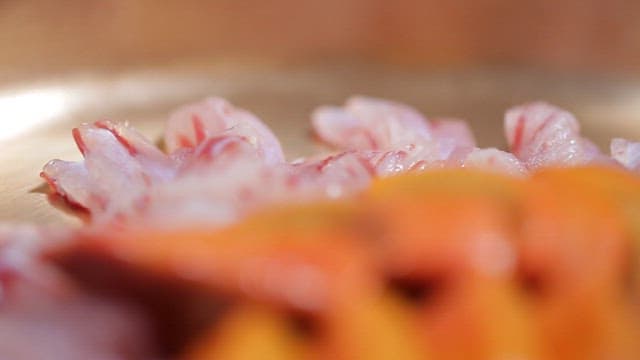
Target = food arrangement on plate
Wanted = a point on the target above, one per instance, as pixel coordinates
(406, 241)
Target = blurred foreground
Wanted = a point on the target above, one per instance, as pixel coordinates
(441, 265)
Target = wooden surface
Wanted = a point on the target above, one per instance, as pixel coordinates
(39, 37)
(36, 118)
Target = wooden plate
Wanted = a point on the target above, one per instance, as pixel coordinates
(36, 117)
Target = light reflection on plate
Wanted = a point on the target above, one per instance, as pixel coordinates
(22, 110)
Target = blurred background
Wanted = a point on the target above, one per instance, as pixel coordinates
(65, 35)
(64, 62)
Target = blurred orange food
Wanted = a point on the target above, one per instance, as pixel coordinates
(444, 265)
